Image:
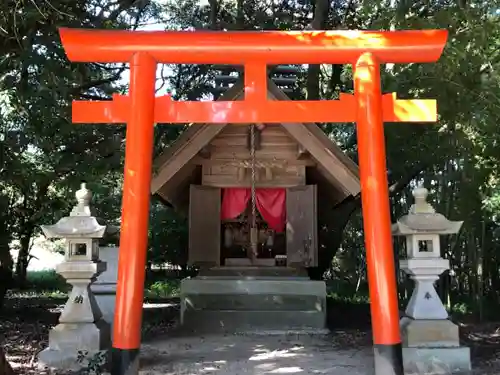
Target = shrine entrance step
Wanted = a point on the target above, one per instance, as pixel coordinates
(243, 304)
(253, 272)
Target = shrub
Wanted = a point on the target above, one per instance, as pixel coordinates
(163, 289)
(46, 280)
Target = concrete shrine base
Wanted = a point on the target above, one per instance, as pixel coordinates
(242, 304)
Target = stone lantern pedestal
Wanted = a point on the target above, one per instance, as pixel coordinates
(430, 340)
(104, 288)
(81, 328)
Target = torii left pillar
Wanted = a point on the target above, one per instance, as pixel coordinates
(135, 216)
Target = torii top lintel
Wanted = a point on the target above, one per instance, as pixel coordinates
(255, 50)
(239, 48)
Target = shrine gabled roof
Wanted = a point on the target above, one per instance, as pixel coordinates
(332, 162)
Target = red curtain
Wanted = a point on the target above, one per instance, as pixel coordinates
(234, 202)
(271, 203)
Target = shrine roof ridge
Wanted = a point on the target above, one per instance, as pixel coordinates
(240, 48)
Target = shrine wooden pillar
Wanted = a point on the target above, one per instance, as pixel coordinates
(255, 50)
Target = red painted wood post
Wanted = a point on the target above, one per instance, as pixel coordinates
(135, 216)
(376, 217)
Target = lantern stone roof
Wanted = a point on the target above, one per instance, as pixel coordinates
(424, 219)
(80, 223)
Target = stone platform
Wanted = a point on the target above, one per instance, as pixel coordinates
(246, 300)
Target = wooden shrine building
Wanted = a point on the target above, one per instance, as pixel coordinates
(207, 174)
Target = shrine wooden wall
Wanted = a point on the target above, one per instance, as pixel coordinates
(280, 161)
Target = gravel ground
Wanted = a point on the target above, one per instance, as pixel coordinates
(339, 353)
(259, 355)
(347, 350)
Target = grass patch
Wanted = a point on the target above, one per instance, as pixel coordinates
(42, 284)
(47, 280)
(163, 289)
(354, 300)
(48, 284)
(44, 294)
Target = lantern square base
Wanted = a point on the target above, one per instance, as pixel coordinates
(68, 341)
(429, 333)
(434, 361)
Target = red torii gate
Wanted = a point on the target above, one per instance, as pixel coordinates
(140, 110)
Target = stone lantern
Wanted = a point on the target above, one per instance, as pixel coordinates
(81, 327)
(429, 338)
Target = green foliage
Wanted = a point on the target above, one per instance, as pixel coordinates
(163, 289)
(168, 236)
(349, 298)
(48, 284)
(43, 157)
(45, 284)
(92, 364)
(46, 281)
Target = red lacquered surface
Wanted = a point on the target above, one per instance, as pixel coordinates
(267, 47)
(375, 201)
(253, 110)
(135, 204)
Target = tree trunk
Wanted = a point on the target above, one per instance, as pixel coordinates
(214, 12)
(5, 283)
(321, 10)
(336, 220)
(5, 368)
(27, 229)
(6, 265)
(23, 257)
(240, 15)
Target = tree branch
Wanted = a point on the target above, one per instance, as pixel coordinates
(403, 182)
(78, 89)
(94, 97)
(394, 188)
(122, 6)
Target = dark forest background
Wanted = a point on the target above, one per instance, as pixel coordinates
(43, 157)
